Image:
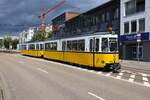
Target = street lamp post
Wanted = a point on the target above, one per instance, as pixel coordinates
(138, 46)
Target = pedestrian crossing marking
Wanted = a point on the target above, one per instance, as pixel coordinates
(147, 84)
(132, 76)
(145, 79)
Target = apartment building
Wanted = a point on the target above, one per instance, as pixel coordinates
(135, 29)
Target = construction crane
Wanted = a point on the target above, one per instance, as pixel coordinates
(44, 13)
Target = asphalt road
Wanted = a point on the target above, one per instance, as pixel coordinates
(25, 78)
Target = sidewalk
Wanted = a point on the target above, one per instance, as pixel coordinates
(135, 64)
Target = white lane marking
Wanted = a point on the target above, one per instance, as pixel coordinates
(147, 84)
(94, 95)
(120, 74)
(131, 80)
(42, 70)
(118, 77)
(99, 72)
(122, 71)
(132, 76)
(109, 74)
(144, 75)
(145, 79)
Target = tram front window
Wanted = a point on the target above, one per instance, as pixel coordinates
(113, 44)
(105, 47)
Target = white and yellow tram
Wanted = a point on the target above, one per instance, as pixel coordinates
(96, 50)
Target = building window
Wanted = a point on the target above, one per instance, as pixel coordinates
(103, 17)
(107, 16)
(133, 26)
(116, 13)
(142, 25)
(134, 6)
(126, 27)
(130, 7)
(140, 5)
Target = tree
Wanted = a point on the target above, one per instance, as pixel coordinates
(7, 42)
(39, 36)
(14, 43)
(49, 34)
(1, 43)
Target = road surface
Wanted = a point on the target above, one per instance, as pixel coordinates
(26, 78)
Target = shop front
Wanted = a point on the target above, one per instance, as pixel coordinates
(135, 46)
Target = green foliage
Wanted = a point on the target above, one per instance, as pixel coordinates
(39, 36)
(49, 35)
(14, 43)
(1, 43)
(7, 42)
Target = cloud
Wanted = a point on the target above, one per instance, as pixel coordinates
(24, 12)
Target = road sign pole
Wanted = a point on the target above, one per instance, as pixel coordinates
(138, 51)
(138, 46)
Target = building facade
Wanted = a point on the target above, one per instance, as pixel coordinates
(26, 36)
(135, 29)
(58, 23)
(99, 19)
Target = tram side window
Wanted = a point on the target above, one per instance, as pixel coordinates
(64, 46)
(69, 46)
(105, 47)
(97, 45)
(54, 46)
(32, 47)
(91, 45)
(37, 47)
(74, 45)
(47, 46)
(81, 45)
(24, 47)
(51, 46)
(41, 46)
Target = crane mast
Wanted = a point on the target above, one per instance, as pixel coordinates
(44, 13)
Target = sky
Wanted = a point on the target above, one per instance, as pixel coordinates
(18, 15)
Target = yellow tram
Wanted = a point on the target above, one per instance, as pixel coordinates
(96, 50)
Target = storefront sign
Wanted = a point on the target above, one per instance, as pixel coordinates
(135, 37)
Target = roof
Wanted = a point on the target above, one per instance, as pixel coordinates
(103, 3)
(65, 13)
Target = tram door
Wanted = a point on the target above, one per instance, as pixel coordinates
(94, 45)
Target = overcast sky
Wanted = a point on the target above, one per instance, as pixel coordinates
(17, 15)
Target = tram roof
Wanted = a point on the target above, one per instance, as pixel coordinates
(82, 35)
